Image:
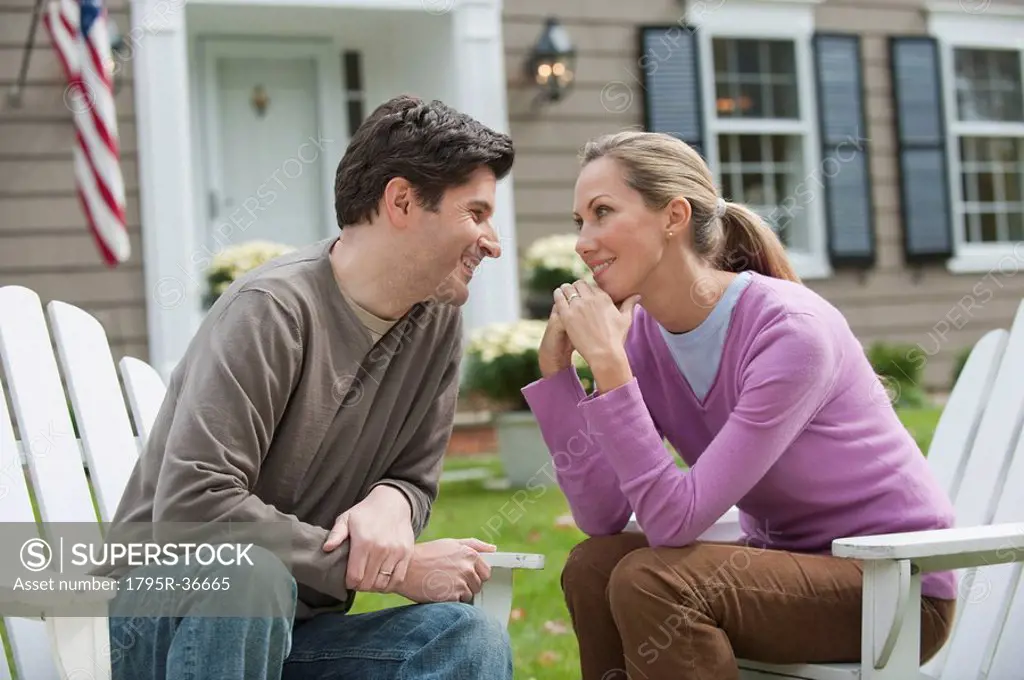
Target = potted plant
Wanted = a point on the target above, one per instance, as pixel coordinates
(501, 359)
(549, 262)
(234, 261)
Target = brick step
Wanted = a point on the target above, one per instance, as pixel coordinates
(473, 434)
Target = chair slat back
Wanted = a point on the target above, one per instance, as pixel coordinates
(41, 412)
(976, 483)
(961, 416)
(28, 640)
(98, 402)
(146, 391)
(992, 616)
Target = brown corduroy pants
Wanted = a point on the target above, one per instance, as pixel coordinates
(644, 613)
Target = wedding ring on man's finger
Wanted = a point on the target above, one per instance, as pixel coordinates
(572, 297)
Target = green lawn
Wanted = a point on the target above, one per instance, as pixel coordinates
(542, 638)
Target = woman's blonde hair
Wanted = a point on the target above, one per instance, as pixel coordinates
(661, 168)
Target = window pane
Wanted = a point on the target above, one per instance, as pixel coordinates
(750, 148)
(755, 78)
(1014, 186)
(1016, 225)
(988, 85)
(986, 187)
(782, 57)
(988, 227)
(748, 57)
(754, 189)
(721, 56)
(784, 102)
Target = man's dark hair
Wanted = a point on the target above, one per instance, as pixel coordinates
(430, 144)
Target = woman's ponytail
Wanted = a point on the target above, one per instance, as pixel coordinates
(750, 244)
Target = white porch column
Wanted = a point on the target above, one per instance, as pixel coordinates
(479, 60)
(160, 61)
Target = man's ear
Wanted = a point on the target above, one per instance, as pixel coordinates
(398, 200)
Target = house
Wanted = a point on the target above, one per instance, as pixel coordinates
(883, 138)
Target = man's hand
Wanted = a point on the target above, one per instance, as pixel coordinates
(381, 540)
(446, 570)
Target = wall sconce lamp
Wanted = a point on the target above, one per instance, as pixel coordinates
(551, 63)
(120, 53)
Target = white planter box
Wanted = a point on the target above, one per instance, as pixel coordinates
(522, 450)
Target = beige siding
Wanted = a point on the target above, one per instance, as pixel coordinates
(925, 306)
(44, 243)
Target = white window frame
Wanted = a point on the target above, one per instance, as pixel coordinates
(996, 28)
(766, 20)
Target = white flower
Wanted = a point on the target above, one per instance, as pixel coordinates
(503, 339)
(555, 252)
(236, 260)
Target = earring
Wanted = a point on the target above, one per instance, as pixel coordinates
(670, 234)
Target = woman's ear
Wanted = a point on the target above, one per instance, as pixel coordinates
(678, 213)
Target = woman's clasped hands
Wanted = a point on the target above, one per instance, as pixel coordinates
(585, 318)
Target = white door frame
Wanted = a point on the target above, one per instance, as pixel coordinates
(332, 120)
(168, 166)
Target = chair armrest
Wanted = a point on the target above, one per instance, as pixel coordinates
(17, 601)
(511, 560)
(725, 530)
(940, 549)
(496, 596)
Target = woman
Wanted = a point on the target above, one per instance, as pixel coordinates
(764, 391)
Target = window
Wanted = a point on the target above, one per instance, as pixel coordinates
(739, 82)
(761, 129)
(988, 90)
(983, 72)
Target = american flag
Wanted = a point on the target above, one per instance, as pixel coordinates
(78, 29)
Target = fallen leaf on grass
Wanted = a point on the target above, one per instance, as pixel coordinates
(565, 522)
(556, 627)
(517, 614)
(549, 657)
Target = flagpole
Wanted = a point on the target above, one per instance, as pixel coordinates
(14, 95)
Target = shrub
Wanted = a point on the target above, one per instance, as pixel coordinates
(502, 359)
(234, 261)
(899, 372)
(552, 261)
(958, 363)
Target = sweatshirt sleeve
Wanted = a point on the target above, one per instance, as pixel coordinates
(579, 454)
(416, 471)
(230, 402)
(784, 381)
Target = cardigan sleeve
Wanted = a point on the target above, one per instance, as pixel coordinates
(579, 455)
(786, 377)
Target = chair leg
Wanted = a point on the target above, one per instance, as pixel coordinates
(496, 596)
(891, 621)
(81, 646)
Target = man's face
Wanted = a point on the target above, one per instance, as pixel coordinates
(451, 243)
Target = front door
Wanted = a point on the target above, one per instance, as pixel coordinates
(265, 154)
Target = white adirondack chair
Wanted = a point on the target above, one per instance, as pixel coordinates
(47, 647)
(978, 455)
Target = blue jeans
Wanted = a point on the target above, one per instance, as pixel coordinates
(442, 641)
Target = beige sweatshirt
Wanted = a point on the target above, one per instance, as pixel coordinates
(284, 410)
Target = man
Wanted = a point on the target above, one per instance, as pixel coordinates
(319, 395)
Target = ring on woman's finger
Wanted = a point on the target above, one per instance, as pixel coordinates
(572, 297)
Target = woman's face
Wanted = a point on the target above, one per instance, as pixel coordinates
(620, 238)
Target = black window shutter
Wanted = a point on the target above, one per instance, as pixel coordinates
(849, 209)
(670, 75)
(921, 143)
